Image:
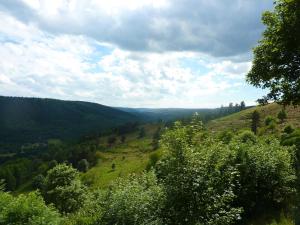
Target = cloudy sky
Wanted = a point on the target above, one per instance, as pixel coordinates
(135, 53)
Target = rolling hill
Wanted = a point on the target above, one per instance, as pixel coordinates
(242, 119)
(29, 120)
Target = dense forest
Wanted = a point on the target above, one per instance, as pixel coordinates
(228, 166)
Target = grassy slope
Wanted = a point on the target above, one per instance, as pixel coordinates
(129, 157)
(242, 120)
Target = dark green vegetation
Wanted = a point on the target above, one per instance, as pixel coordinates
(35, 120)
(197, 177)
(26, 124)
(276, 64)
(171, 114)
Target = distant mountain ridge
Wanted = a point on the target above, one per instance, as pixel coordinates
(36, 119)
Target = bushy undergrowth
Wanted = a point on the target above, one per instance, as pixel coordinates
(200, 179)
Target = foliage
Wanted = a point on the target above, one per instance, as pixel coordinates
(83, 165)
(246, 137)
(26, 210)
(153, 159)
(288, 129)
(142, 132)
(197, 179)
(291, 139)
(250, 173)
(28, 120)
(267, 176)
(282, 115)
(64, 189)
(134, 201)
(255, 121)
(111, 140)
(269, 120)
(277, 58)
(225, 136)
(38, 182)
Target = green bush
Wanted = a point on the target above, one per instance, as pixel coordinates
(246, 136)
(209, 182)
(266, 172)
(226, 136)
(26, 210)
(198, 179)
(153, 159)
(269, 120)
(134, 201)
(288, 129)
(63, 188)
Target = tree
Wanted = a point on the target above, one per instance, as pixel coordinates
(83, 165)
(255, 121)
(155, 138)
(142, 132)
(276, 64)
(64, 189)
(52, 164)
(243, 105)
(237, 107)
(111, 140)
(282, 115)
(38, 182)
(113, 166)
(123, 138)
(10, 180)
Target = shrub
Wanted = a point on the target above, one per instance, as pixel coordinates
(83, 165)
(282, 116)
(134, 201)
(288, 129)
(26, 210)
(38, 182)
(269, 120)
(225, 136)
(64, 189)
(198, 179)
(267, 175)
(153, 158)
(246, 136)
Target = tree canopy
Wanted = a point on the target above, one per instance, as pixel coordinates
(276, 64)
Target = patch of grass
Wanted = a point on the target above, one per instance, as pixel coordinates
(129, 157)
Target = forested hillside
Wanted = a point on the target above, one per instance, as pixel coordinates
(34, 120)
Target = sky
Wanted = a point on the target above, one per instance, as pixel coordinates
(134, 53)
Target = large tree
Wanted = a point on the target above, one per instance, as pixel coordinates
(63, 188)
(276, 64)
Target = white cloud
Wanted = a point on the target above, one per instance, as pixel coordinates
(37, 63)
(213, 27)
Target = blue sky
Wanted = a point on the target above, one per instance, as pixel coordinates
(135, 53)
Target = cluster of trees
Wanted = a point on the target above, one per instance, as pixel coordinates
(232, 108)
(16, 172)
(201, 179)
